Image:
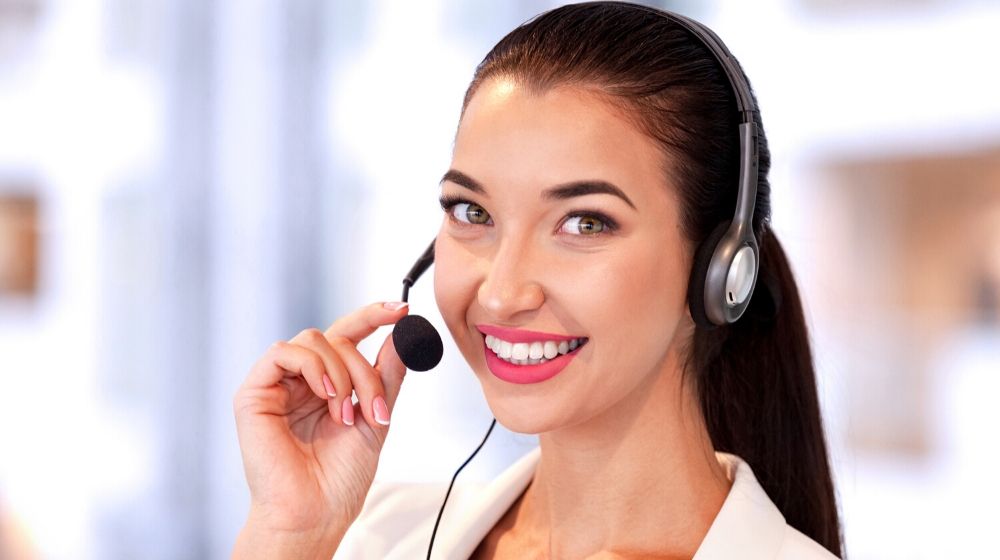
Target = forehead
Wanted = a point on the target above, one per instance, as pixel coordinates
(510, 135)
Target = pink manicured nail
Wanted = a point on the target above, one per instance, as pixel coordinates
(395, 305)
(329, 386)
(381, 411)
(347, 411)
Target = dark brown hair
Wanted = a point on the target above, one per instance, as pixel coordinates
(754, 378)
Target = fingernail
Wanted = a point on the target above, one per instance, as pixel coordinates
(347, 411)
(395, 305)
(381, 411)
(329, 386)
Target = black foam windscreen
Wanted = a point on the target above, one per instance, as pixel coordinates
(417, 342)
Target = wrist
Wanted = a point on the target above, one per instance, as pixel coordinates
(260, 539)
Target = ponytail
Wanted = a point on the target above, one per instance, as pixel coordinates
(757, 389)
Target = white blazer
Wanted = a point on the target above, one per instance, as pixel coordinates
(397, 519)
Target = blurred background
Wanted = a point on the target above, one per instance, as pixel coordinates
(184, 182)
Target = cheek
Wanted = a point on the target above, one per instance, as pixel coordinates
(637, 301)
(454, 283)
(658, 291)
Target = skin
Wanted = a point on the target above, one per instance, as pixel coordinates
(309, 452)
(627, 467)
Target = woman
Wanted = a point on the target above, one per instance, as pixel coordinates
(596, 151)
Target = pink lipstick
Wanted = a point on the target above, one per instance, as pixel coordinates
(527, 373)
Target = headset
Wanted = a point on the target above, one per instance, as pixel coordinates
(725, 265)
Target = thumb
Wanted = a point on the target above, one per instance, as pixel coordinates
(391, 369)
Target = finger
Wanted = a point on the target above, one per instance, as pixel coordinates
(367, 383)
(363, 322)
(336, 370)
(284, 359)
(391, 370)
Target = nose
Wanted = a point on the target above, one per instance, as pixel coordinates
(510, 286)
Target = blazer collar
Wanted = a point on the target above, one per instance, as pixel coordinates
(749, 525)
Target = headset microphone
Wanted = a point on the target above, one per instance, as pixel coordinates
(417, 341)
(418, 345)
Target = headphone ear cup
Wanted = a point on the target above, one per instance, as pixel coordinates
(699, 274)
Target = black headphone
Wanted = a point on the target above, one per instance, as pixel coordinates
(725, 265)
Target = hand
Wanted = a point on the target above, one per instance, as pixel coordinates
(310, 458)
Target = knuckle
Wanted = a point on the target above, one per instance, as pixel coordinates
(313, 335)
(338, 373)
(277, 347)
(339, 341)
(371, 374)
(243, 404)
(371, 384)
(316, 363)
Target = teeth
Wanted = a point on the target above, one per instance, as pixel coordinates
(531, 353)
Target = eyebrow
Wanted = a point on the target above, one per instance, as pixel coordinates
(559, 192)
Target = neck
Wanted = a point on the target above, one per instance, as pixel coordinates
(639, 478)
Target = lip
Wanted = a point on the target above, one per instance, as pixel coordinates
(518, 335)
(526, 374)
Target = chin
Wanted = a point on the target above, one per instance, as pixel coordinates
(521, 423)
(520, 408)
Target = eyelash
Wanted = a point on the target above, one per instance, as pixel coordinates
(610, 225)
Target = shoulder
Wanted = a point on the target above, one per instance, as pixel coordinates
(750, 526)
(798, 546)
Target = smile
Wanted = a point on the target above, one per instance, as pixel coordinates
(531, 353)
(520, 356)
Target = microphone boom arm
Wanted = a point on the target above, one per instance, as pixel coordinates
(419, 267)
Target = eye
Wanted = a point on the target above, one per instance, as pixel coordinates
(470, 213)
(587, 225)
(465, 211)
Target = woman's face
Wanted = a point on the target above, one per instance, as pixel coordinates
(536, 240)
